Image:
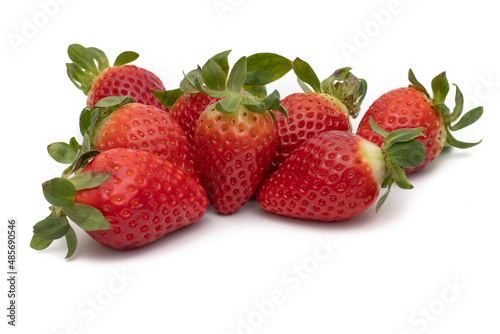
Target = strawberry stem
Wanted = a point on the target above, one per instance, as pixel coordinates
(342, 84)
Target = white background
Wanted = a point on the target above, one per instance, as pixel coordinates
(254, 272)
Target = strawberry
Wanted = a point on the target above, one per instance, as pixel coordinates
(123, 198)
(188, 108)
(235, 138)
(413, 106)
(328, 107)
(187, 102)
(337, 175)
(90, 72)
(120, 123)
(234, 152)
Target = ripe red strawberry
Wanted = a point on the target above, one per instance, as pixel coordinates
(329, 107)
(103, 80)
(139, 126)
(337, 175)
(413, 107)
(235, 138)
(123, 198)
(145, 198)
(233, 152)
(188, 108)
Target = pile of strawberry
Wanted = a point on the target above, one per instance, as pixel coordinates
(151, 160)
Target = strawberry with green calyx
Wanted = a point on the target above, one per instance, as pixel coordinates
(413, 106)
(60, 193)
(337, 175)
(123, 198)
(235, 138)
(118, 122)
(328, 107)
(90, 72)
(187, 102)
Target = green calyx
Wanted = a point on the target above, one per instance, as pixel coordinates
(91, 118)
(88, 63)
(342, 84)
(400, 150)
(78, 155)
(245, 83)
(451, 119)
(60, 192)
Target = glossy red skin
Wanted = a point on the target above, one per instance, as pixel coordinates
(406, 108)
(188, 108)
(325, 178)
(308, 114)
(142, 127)
(145, 198)
(126, 80)
(233, 153)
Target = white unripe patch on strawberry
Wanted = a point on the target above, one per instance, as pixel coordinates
(374, 156)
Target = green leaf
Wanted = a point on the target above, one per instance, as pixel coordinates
(222, 60)
(81, 79)
(272, 102)
(459, 106)
(85, 117)
(187, 84)
(82, 58)
(264, 68)
(100, 57)
(229, 104)
(71, 242)
(443, 110)
(51, 228)
(250, 99)
(402, 135)
(377, 129)
(469, 118)
(440, 88)
(256, 108)
(213, 75)
(89, 180)
(167, 97)
(383, 198)
(74, 143)
(62, 152)
(305, 87)
(237, 76)
(416, 84)
(113, 101)
(399, 177)
(259, 91)
(84, 159)
(38, 243)
(306, 74)
(125, 58)
(87, 217)
(59, 192)
(450, 140)
(408, 154)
